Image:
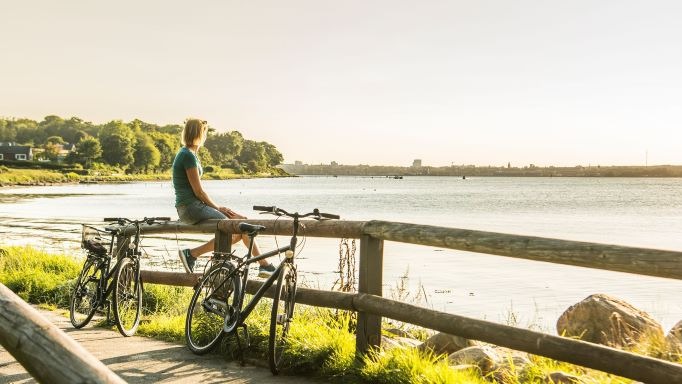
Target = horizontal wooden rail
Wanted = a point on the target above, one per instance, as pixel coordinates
(314, 228)
(47, 353)
(314, 297)
(641, 261)
(622, 363)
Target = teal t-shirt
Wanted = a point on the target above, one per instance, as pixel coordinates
(184, 160)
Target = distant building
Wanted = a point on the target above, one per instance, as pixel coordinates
(12, 151)
(298, 162)
(417, 163)
(65, 150)
(334, 163)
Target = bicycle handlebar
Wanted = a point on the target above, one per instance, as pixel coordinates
(315, 214)
(148, 220)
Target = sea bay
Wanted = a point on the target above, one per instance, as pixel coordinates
(642, 212)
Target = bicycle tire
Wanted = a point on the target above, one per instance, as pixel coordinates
(213, 302)
(127, 297)
(83, 301)
(281, 316)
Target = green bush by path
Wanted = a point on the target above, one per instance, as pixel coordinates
(38, 277)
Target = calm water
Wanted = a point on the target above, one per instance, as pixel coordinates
(635, 212)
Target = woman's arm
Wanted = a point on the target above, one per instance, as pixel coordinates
(195, 182)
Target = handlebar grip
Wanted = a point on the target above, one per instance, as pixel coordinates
(111, 219)
(329, 216)
(263, 208)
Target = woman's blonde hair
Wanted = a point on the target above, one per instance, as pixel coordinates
(193, 131)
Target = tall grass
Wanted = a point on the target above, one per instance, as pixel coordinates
(38, 277)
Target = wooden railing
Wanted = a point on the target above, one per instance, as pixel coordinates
(371, 307)
(46, 352)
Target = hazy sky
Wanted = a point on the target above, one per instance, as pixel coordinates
(372, 82)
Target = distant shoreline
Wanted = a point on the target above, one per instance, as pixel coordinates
(656, 171)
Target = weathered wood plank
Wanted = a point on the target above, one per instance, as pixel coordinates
(47, 353)
(314, 297)
(642, 261)
(370, 279)
(313, 228)
(621, 363)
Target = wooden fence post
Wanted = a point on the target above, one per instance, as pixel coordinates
(368, 333)
(223, 241)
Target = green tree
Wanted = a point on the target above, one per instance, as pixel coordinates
(225, 146)
(52, 146)
(254, 156)
(25, 131)
(118, 142)
(7, 133)
(205, 157)
(89, 150)
(274, 157)
(147, 156)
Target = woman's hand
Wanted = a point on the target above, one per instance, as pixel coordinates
(230, 213)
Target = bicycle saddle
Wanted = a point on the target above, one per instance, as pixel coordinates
(246, 227)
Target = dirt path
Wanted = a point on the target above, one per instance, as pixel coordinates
(143, 360)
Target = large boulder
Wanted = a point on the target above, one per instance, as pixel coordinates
(444, 343)
(607, 320)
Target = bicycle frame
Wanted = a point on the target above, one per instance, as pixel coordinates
(242, 269)
(104, 287)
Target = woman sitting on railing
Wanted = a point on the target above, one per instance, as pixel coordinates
(191, 200)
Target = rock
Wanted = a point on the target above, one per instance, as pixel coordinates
(674, 338)
(484, 357)
(510, 366)
(607, 320)
(398, 342)
(562, 378)
(397, 332)
(443, 343)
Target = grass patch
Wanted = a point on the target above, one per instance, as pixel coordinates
(13, 176)
(38, 277)
(321, 341)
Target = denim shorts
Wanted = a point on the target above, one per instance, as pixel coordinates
(198, 211)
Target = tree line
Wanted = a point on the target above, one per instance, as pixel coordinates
(135, 146)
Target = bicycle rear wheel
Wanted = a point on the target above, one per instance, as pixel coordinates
(282, 315)
(83, 302)
(212, 304)
(127, 298)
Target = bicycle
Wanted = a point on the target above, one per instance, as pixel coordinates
(217, 306)
(98, 279)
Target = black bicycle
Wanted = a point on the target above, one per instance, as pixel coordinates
(98, 279)
(217, 306)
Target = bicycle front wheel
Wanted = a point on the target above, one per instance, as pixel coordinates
(213, 303)
(83, 301)
(127, 297)
(282, 315)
